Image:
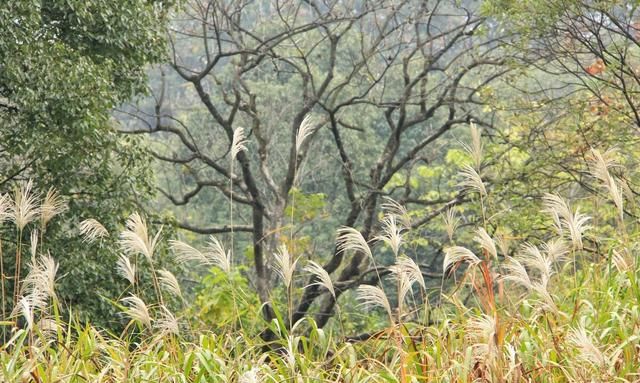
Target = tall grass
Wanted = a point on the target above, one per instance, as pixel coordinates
(552, 311)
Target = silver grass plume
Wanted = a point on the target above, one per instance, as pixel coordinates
(456, 254)
(374, 296)
(184, 253)
(26, 309)
(486, 242)
(599, 165)
(52, 205)
(392, 207)
(137, 310)
(25, 205)
(406, 266)
(471, 180)
(616, 195)
(41, 278)
(91, 229)
(556, 250)
(217, 255)
(391, 233)
(514, 373)
(49, 328)
(532, 257)
(627, 192)
(322, 277)
(238, 142)
(5, 208)
(451, 222)
(482, 332)
(405, 272)
(49, 269)
(136, 238)
(308, 126)
(166, 323)
(214, 255)
(404, 285)
(170, 282)
(126, 269)
(503, 243)
(475, 149)
(29, 304)
(623, 261)
(514, 271)
(482, 327)
(351, 239)
(574, 223)
(546, 300)
(285, 265)
(588, 350)
(38, 286)
(250, 376)
(34, 243)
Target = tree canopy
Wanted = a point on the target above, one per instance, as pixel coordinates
(343, 101)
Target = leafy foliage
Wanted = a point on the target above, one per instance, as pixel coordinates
(63, 66)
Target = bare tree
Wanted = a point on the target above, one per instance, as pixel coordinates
(375, 83)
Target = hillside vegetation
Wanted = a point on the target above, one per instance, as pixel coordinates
(346, 191)
(553, 311)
